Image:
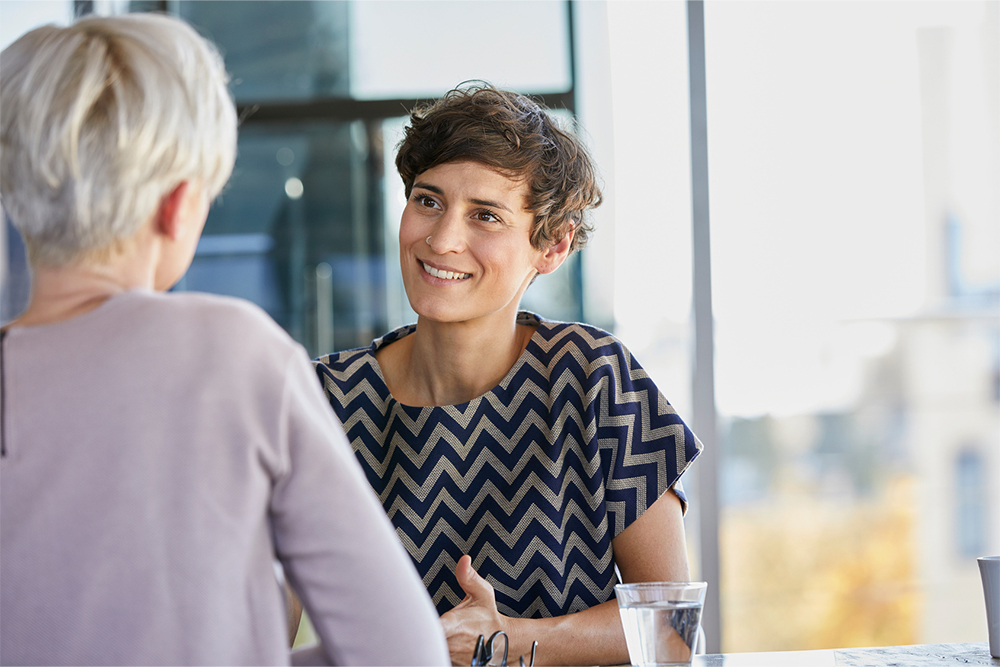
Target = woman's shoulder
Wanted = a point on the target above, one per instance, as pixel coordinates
(342, 366)
(346, 359)
(556, 338)
(215, 315)
(145, 309)
(341, 372)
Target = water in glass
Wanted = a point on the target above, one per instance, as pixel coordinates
(661, 633)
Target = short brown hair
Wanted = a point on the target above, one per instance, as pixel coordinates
(514, 135)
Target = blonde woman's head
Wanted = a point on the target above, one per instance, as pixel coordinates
(100, 120)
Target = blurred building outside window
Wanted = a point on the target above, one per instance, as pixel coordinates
(971, 515)
(854, 157)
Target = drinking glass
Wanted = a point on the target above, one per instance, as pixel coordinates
(989, 569)
(661, 620)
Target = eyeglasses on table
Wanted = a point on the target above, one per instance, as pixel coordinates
(486, 649)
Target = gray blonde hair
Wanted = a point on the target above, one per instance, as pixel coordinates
(100, 120)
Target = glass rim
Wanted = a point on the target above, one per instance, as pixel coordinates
(640, 585)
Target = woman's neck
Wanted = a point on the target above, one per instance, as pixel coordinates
(62, 293)
(446, 363)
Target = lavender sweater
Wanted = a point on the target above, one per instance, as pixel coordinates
(159, 453)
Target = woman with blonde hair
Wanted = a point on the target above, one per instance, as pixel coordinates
(149, 477)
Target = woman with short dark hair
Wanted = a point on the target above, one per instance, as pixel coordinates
(521, 460)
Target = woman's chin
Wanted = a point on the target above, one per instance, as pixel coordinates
(440, 314)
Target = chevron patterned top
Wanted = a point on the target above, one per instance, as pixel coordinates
(532, 479)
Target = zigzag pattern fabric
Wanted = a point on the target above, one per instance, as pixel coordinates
(533, 479)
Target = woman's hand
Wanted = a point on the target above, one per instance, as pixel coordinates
(652, 548)
(476, 615)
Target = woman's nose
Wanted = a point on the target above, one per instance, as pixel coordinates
(448, 234)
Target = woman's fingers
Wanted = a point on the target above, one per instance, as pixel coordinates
(475, 587)
(476, 615)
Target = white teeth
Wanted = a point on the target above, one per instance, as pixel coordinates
(447, 275)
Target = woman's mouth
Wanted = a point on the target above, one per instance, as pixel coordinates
(445, 275)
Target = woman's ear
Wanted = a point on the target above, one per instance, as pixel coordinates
(556, 254)
(170, 213)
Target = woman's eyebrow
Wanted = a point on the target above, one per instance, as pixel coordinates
(427, 186)
(493, 204)
(479, 202)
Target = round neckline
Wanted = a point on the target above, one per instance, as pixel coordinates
(523, 317)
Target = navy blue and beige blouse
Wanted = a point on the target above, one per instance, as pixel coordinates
(532, 479)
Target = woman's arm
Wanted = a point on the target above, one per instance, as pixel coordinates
(652, 548)
(338, 548)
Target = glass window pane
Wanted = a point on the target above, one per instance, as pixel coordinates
(406, 49)
(384, 49)
(971, 526)
(292, 232)
(277, 50)
(855, 222)
(647, 214)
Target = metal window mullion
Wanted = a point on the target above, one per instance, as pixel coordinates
(703, 376)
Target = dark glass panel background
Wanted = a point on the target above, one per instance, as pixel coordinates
(289, 50)
(312, 259)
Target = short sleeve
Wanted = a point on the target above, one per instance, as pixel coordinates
(645, 445)
(678, 489)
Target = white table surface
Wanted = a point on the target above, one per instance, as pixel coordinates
(920, 655)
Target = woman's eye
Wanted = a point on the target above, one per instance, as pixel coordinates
(424, 200)
(486, 216)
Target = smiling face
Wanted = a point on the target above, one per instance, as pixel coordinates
(464, 244)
